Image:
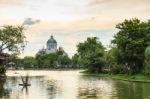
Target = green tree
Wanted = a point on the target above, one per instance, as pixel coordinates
(91, 53)
(66, 61)
(131, 40)
(111, 58)
(46, 60)
(12, 39)
(39, 60)
(29, 62)
(19, 63)
(147, 60)
(63, 60)
(75, 61)
(52, 57)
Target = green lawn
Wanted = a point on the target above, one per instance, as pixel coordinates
(137, 77)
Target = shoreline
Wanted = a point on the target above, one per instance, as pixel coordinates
(139, 78)
(63, 69)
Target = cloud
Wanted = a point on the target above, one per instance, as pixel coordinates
(118, 9)
(30, 21)
(97, 2)
(11, 2)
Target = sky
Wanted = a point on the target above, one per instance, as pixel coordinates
(69, 21)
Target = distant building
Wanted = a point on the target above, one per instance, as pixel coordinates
(51, 47)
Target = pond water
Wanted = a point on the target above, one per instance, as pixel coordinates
(69, 85)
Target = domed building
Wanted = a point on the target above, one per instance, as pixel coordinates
(51, 45)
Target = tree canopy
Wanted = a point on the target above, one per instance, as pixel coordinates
(131, 40)
(12, 39)
(91, 54)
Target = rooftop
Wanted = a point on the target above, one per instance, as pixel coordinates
(51, 40)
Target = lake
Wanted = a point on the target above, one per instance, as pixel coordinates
(69, 85)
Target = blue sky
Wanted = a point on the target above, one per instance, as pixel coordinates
(70, 21)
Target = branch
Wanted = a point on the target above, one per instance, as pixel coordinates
(3, 45)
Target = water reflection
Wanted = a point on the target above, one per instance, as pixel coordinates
(130, 90)
(91, 87)
(3, 92)
(25, 88)
(53, 89)
(40, 88)
(71, 85)
(103, 88)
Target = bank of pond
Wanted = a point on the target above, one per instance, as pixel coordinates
(124, 77)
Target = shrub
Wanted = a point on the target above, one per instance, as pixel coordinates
(118, 69)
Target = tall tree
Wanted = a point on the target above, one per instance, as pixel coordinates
(131, 40)
(12, 40)
(91, 54)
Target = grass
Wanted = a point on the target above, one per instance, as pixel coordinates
(126, 77)
(137, 77)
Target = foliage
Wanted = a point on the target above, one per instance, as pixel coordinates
(53, 60)
(111, 57)
(75, 61)
(47, 60)
(131, 40)
(91, 53)
(118, 69)
(147, 60)
(63, 61)
(29, 62)
(12, 39)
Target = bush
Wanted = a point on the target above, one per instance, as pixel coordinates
(118, 69)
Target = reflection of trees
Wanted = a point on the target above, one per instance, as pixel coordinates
(87, 93)
(126, 90)
(91, 87)
(3, 91)
(52, 89)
